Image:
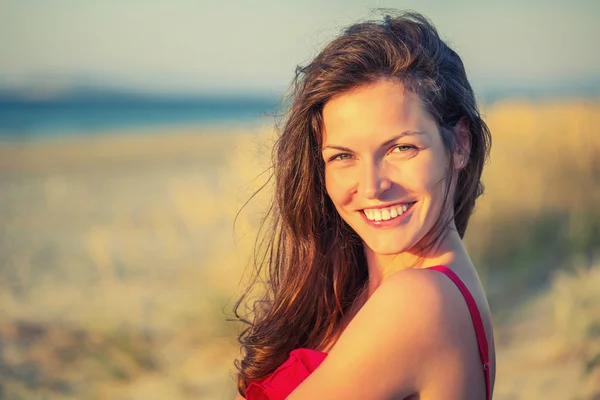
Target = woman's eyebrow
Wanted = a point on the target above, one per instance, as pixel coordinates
(384, 144)
(405, 133)
(334, 147)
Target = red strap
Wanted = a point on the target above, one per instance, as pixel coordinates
(477, 323)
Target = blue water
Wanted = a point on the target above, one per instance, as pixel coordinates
(25, 120)
(94, 111)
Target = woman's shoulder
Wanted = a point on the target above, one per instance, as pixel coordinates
(413, 315)
(414, 310)
(431, 298)
(428, 287)
(423, 312)
(451, 310)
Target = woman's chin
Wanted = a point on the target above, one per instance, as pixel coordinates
(387, 248)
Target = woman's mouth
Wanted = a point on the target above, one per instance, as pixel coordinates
(386, 215)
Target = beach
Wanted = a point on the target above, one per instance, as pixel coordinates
(120, 262)
(106, 240)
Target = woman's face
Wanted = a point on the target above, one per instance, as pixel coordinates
(384, 165)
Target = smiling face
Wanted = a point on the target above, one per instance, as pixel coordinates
(385, 165)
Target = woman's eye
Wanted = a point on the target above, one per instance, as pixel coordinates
(340, 157)
(403, 148)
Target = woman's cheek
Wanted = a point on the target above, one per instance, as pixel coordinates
(429, 171)
(339, 185)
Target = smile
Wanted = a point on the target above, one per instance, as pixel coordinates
(387, 213)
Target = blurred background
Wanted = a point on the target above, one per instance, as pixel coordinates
(131, 133)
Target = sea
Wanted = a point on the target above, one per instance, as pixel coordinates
(38, 116)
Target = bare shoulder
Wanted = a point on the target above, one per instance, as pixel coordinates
(428, 288)
(406, 337)
(426, 298)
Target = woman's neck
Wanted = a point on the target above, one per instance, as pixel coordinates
(381, 266)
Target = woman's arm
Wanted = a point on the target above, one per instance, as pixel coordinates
(413, 336)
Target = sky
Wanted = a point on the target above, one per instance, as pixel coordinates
(185, 45)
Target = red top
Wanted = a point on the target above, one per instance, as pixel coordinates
(302, 362)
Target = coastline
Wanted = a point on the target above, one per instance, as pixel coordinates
(201, 143)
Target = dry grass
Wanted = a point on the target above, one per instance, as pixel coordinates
(542, 190)
(550, 347)
(118, 256)
(107, 253)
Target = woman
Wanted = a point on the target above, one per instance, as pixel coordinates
(370, 291)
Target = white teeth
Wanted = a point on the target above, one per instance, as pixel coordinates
(385, 215)
(377, 215)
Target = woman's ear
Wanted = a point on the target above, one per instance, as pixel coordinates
(463, 143)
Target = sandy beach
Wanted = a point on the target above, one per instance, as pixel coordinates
(109, 238)
(119, 262)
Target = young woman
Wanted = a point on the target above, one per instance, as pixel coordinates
(370, 292)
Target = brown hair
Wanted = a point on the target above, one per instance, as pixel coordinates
(315, 261)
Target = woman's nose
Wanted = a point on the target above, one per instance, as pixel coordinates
(374, 182)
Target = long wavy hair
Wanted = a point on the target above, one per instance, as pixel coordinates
(312, 262)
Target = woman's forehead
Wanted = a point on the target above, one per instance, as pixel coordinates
(375, 110)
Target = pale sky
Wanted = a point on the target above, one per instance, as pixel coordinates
(186, 45)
